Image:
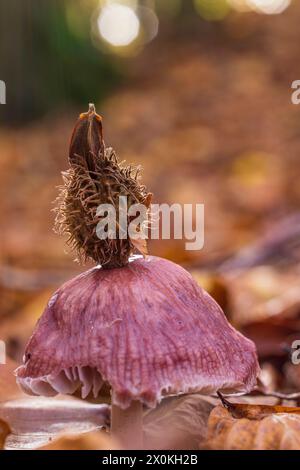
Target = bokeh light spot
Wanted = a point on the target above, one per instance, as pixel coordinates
(118, 24)
(269, 7)
(212, 10)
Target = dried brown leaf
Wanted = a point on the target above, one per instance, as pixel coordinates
(256, 412)
(88, 441)
(277, 431)
(34, 421)
(178, 422)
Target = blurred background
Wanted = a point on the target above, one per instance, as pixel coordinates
(197, 92)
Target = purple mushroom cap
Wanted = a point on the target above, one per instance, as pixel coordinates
(147, 329)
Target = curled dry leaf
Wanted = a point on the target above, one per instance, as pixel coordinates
(277, 431)
(178, 422)
(34, 421)
(257, 412)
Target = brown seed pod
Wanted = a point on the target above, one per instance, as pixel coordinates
(87, 139)
(96, 177)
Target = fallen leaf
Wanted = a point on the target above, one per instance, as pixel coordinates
(34, 421)
(96, 440)
(256, 412)
(278, 431)
(178, 422)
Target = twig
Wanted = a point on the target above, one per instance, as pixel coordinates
(225, 402)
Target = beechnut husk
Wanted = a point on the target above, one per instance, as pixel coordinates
(96, 177)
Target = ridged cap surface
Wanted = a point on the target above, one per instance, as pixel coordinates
(147, 329)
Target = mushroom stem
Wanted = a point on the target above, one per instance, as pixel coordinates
(127, 425)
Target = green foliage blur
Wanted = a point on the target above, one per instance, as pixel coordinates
(48, 60)
(51, 60)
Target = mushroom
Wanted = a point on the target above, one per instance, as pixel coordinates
(146, 329)
(141, 326)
